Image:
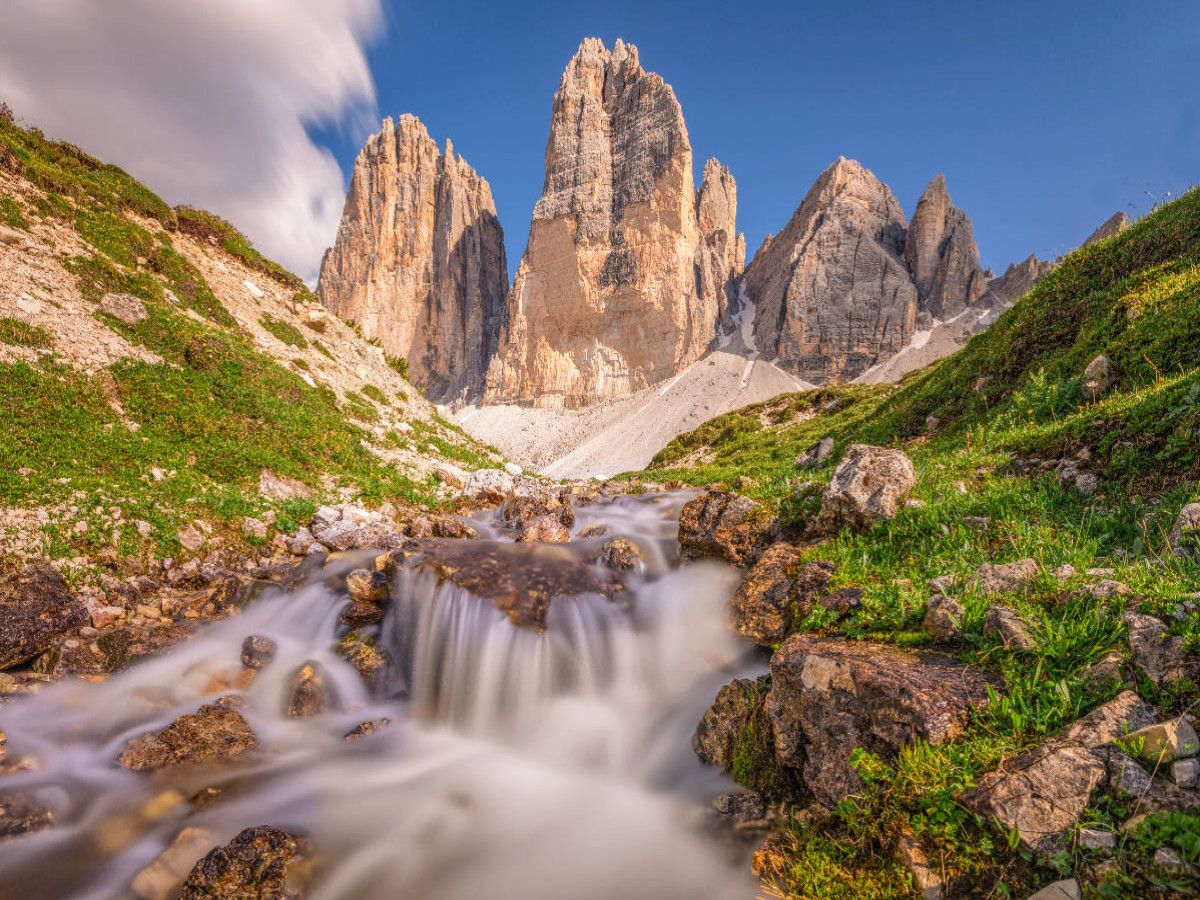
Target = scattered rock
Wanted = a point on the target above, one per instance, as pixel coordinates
(726, 525)
(867, 488)
(830, 696)
(258, 651)
(254, 528)
(775, 596)
(1008, 578)
(35, 607)
(1095, 839)
(124, 308)
(1162, 656)
(621, 554)
(281, 487)
(191, 538)
(816, 454)
(1186, 772)
(261, 863)
(1168, 859)
(1185, 535)
(369, 659)
(1097, 379)
(1007, 624)
(212, 733)
(944, 617)
(310, 695)
(162, 879)
(339, 536)
(1163, 742)
(451, 476)
(1060, 890)
(365, 586)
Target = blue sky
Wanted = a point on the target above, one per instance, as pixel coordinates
(1045, 117)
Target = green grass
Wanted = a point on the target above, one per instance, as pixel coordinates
(21, 334)
(1012, 394)
(284, 331)
(375, 394)
(11, 214)
(207, 226)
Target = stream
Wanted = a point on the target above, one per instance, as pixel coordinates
(518, 764)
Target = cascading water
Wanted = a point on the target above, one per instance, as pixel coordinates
(519, 765)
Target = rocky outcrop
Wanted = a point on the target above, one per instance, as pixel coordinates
(941, 252)
(419, 260)
(627, 269)
(727, 526)
(261, 863)
(35, 607)
(1019, 278)
(1111, 228)
(833, 292)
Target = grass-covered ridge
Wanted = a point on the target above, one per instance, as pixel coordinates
(1010, 399)
(185, 438)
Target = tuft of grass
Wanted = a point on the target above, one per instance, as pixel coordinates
(11, 214)
(399, 364)
(207, 226)
(284, 331)
(21, 334)
(375, 394)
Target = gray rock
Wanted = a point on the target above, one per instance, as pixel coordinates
(325, 516)
(125, 308)
(337, 536)
(191, 538)
(1007, 578)
(944, 617)
(1007, 624)
(1067, 889)
(1185, 535)
(816, 454)
(494, 482)
(1163, 742)
(1163, 657)
(1097, 379)
(867, 488)
(1168, 859)
(1095, 839)
(1186, 772)
(255, 528)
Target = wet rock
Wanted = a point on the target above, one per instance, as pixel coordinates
(258, 651)
(1163, 742)
(21, 814)
(213, 733)
(1097, 379)
(309, 692)
(358, 614)
(867, 488)
(730, 526)
(944, 617)
(743, 806)
(366, 729)
(816, 454)
(261, 863)
(717, 737)
(621, 554)
(35, 606)
(1007, 624)
(830, 696)
(365, 586)
(1162, 657)
(162, 879)
(776, 595)
(370, 660)
(593, 531)
(1067, 889)
(111, 650)
(543, 530)
(1006, 578)
(1044, 791)
(281, 487)
(1185, 535)
(545, 503)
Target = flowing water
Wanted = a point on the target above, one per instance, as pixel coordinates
(519, 765)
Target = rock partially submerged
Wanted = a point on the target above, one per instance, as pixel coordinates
(777, 594)
(35, 606)
(214, 733)
(261, 863)
(726, 525)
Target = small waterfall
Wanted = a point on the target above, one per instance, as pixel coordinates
(522, 764)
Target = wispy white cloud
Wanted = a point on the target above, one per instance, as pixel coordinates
(206, 101)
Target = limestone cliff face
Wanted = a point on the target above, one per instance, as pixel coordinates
(622, 282)
(419, 260)
(941, 253)
(1019, 278)
(833, 293)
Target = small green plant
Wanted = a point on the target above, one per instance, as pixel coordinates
(375, 394)
(283, 331)
(11, 214)
(399, 364)
(21, 334)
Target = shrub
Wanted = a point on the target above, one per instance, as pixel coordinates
(400, 364)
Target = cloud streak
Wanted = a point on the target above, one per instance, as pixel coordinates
(206, 102)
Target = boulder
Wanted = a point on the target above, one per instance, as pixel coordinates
(816, 454)
(1006, 578)
(867, 488)
(1185, 535)
(830, 696)
(213, 733)
(725, 525)
(944, 617)
(124, 308)
(258, 651)
(777, 594)
(281, 487)
(35, 607)
(1044, 791)
(1161, 656)
(1007, 624)
(1097, 379)
(621, 554)
(260, 863)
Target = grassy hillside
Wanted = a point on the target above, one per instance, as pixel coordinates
(182, 430)
(1006, 402)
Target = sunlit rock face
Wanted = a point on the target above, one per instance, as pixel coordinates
(833, 292)
(941, 252)
(623, 279)
(419, 261)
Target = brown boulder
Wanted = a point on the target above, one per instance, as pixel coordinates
(35, 606)
(543, 530)
(830, 696)
(621, 553)
(213, 733)
(730, 526)
(776, 595)
(310, 695)
(21, 814)
(368, 659)
(261, 863)
(111, 649)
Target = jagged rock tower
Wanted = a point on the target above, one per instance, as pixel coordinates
(419, 260)
(628, 269)
(942, 255)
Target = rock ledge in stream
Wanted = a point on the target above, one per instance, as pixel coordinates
(726, 525)
(212, 733)
(35, 606)
(261, 863)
